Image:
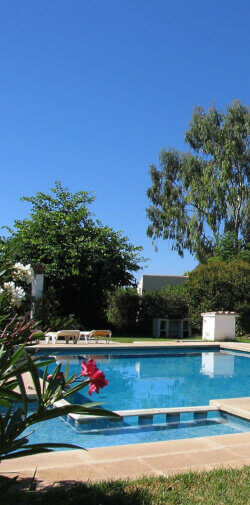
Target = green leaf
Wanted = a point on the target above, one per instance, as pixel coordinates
(16, 356)
(36, 380)
(65, 410)
(23, 394)
(33, 449)
(45, 373)
(75, 388)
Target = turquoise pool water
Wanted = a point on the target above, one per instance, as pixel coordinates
(140, 379)
(132, 432)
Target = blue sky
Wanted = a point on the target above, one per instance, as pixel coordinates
(91, 91)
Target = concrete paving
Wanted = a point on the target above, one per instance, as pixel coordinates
(149, 343)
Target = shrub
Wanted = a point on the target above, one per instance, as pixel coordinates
(49, 313)
(17, 332)
(122, 309)
(169, 302)
(152, 304)
(220, 286)
(127, 310)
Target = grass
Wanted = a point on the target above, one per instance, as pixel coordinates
(129, 340)
(217, 487)
(245, 339)
(126, 339)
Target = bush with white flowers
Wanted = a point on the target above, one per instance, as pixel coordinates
(16, 293)
(23, 272)
(11, 288)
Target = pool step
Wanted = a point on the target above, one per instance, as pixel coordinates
(171, 413)
(149, 413)
(142, 423)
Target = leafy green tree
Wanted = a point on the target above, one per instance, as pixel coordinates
(197, 196)
(216, 286)
(82, 258)
(230, 248)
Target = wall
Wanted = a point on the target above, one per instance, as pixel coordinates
(157, 282)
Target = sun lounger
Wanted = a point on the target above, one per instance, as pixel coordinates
(76, 336)
(95, 335)
(100, 335)
(85, 336)
(68, 334)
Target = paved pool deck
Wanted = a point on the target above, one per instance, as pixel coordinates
(133, 461)
(240, 346)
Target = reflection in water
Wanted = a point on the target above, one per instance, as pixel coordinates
(215, 364)
(152, 380)
(138, 368)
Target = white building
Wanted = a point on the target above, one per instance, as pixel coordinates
(157, 282)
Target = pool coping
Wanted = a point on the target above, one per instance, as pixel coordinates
(178, 344)
(152, 458)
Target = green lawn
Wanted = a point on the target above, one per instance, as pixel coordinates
(129, 340)
(218, 487)
(245, 339)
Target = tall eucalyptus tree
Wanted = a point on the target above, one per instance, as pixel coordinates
(201, 194)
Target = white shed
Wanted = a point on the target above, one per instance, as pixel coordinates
(218, 325)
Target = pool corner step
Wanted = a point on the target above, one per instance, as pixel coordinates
(237, 406)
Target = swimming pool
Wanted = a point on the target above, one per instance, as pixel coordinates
(153, 379)
(147, 378)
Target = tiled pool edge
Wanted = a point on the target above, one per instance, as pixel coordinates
(133, 461)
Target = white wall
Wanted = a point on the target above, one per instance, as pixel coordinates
(157, 282)
(218, 326)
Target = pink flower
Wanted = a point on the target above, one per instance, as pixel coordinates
(97, 378)
(97, 381)
(89, 368)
